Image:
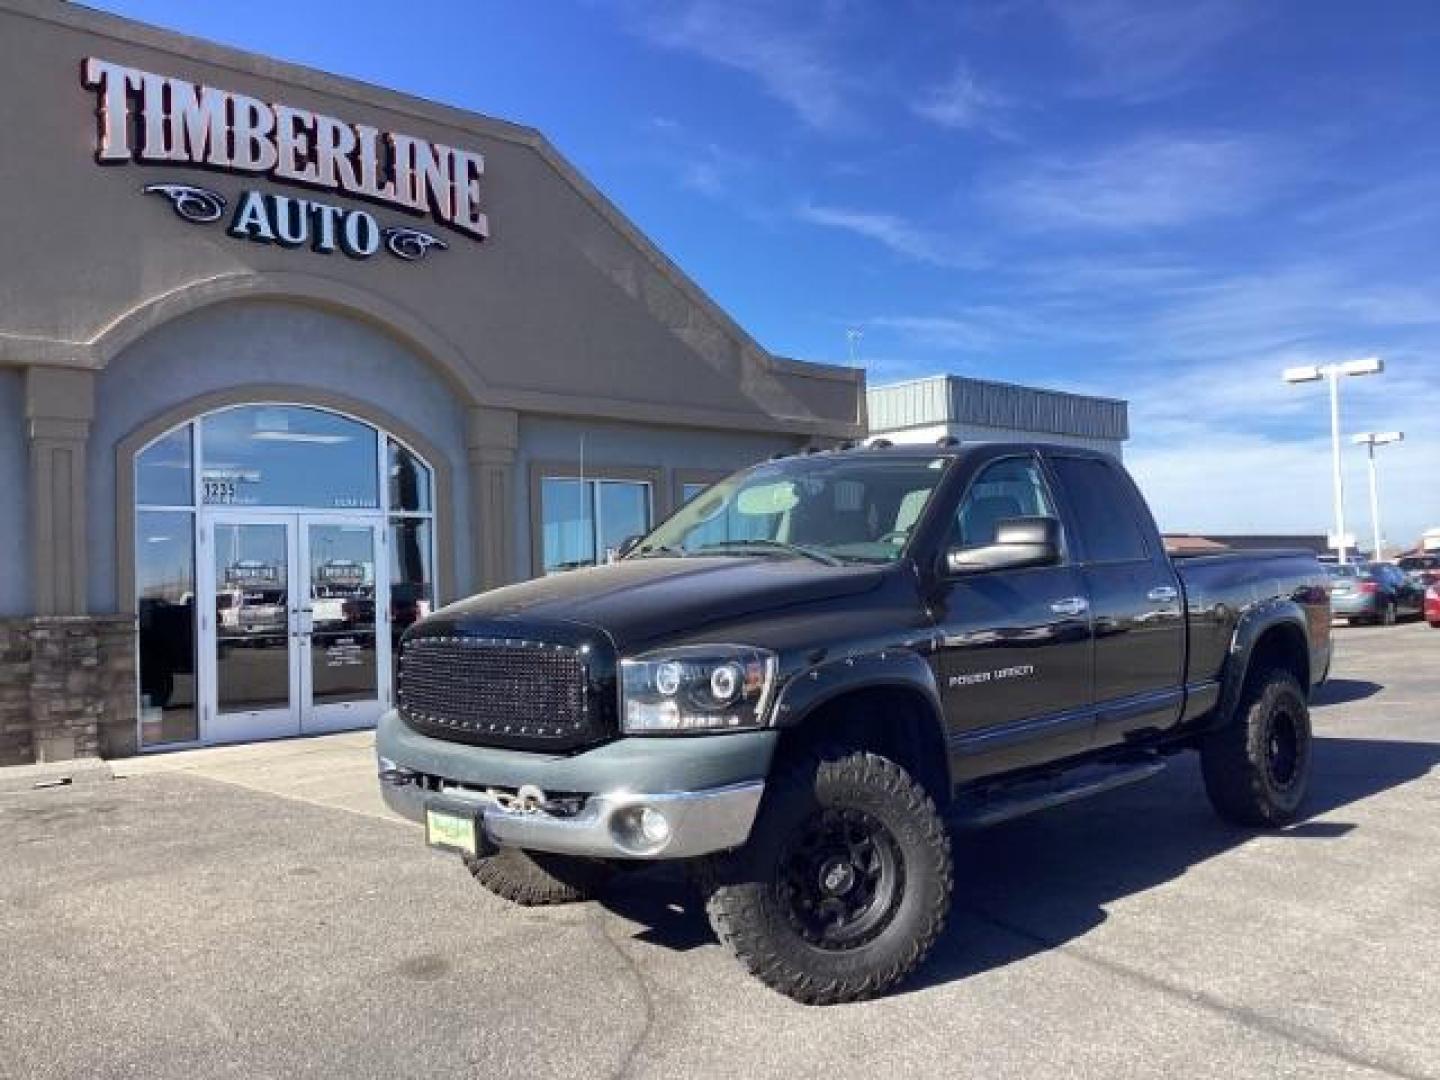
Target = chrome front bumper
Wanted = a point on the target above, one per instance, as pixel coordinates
(605, 827)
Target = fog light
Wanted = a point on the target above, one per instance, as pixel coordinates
(641, 829)
(653, 826)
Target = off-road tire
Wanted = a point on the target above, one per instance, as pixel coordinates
(750, 896)
(1257, 767)
(537, 878)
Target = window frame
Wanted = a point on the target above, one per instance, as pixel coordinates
(1071, 517)
(680, 478)
(1047, 483)
(588, 472)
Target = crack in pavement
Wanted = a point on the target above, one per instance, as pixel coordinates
(598, 920)
(1278, 1027)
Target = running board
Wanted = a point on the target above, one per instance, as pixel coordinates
(1036, 795)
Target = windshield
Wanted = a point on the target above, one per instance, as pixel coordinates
(1348, 570)
(829, 508)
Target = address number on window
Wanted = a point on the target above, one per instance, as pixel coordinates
(218, 491)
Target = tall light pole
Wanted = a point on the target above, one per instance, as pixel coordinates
(1370, 440)
(1371, 365)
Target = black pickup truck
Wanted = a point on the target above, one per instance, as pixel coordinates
(812, 670)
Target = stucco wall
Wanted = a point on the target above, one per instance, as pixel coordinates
(564, 309)
(668, 450)
(257, 343)
(14, 495)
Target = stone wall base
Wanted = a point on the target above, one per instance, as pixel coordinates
(67, 687)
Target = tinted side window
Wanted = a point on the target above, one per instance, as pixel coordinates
(1103, 504)
(1009, 488)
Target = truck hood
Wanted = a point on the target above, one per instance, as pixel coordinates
(643, 601)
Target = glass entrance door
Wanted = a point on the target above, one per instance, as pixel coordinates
(342, 620)
(299, 640)
(251, 650)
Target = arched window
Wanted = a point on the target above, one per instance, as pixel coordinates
(334, 481)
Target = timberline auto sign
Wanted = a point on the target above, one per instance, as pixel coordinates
(159, 120)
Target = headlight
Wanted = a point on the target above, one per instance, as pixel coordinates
(696, 688)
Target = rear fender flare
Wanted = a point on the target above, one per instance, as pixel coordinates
(1252, 625)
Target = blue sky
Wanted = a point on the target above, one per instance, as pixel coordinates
(1162, 201)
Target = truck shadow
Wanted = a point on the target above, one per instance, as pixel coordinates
(1341, 691)
(1036, 883)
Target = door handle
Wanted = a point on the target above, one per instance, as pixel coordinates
(1071, 605)
(1162, 594)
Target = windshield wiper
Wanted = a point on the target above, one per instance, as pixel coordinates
(771, 545)
(647, 551)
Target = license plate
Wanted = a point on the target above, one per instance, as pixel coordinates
(453, 832)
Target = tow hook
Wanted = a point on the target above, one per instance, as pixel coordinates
(529, 799)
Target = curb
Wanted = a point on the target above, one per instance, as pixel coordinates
(81, 771)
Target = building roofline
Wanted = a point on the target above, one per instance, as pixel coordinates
(145, 35)
(952, 377)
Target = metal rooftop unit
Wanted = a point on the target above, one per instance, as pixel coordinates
(980, 409)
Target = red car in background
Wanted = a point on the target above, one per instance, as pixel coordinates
(1432, 605)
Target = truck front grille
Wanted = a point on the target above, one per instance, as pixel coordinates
(499, 692)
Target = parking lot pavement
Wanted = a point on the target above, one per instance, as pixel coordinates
(200, 918)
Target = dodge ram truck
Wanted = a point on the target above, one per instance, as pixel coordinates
(809, 674)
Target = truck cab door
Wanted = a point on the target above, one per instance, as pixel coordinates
(1135, 598)
(1014, 664)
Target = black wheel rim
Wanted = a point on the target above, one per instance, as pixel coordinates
(1283, 749)
(840, 879)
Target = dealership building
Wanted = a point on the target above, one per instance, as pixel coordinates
(287, 360)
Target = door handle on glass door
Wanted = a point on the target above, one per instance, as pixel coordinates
(1162, 594)
(1071, 605)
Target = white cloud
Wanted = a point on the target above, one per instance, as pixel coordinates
(788, 57)
(978, 327)
(703, 165)
(1152, 182)
(1220, 442)
(1233, 482)
(1307, 305)
(962, 104)
(938, 331)
(891, 231)
(1231, 447)
(713, 171)
(1137, 50)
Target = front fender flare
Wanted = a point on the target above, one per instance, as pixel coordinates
(897, 669)
(902, 668)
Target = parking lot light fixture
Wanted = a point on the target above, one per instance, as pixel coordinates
(1369, 365)
(1370, 440)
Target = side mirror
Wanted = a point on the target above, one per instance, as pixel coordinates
(626, 546)
(1019, 542)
